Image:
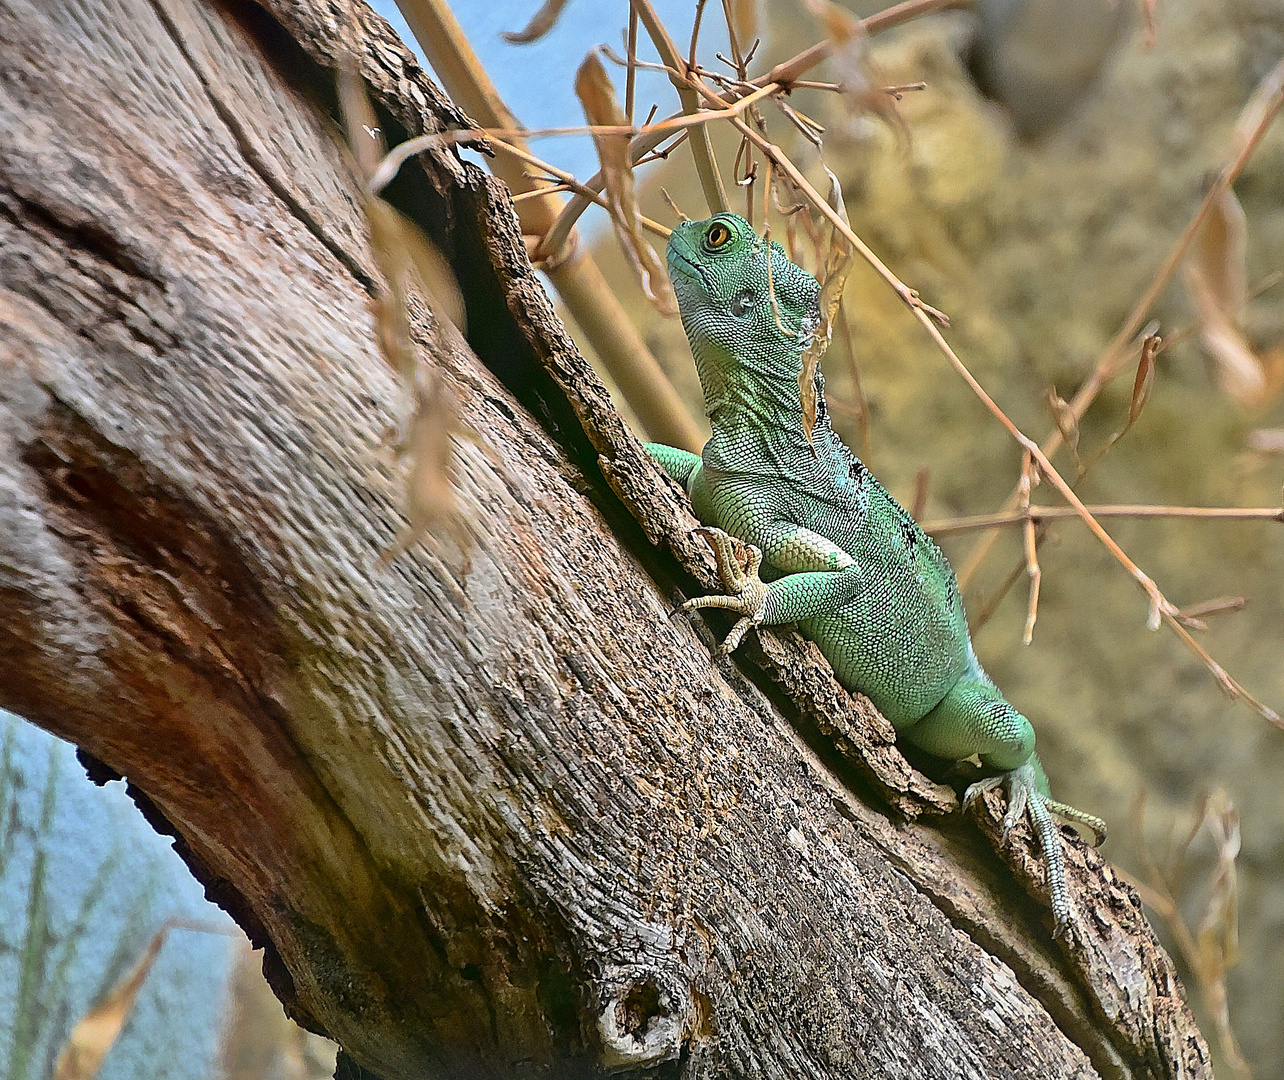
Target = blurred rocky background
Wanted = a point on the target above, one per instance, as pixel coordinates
(1054, 158)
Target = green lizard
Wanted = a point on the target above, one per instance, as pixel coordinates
(841, 557)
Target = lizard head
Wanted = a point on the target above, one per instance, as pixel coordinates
(720, 275)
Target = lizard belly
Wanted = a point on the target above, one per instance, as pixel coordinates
(905, 664)
(902, 640)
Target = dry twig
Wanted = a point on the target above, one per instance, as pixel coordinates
(1028, 477)
(781, 77)
(1054, 513)
(1254, 121)
(1212, 949)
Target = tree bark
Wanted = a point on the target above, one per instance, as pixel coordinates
(499, 819)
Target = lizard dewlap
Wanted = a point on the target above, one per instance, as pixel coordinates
(837, 554)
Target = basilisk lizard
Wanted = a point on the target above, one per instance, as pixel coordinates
(840, 555)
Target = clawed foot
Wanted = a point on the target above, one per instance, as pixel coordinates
(1026, 797)
(738, 565)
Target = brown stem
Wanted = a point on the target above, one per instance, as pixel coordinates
(790, 69)
(1161, 608)
(1031, 550)
(701, 148)
(1114, 358)
(1051, 513)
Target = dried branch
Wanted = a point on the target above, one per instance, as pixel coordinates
(1161, 608)
(701, 148)
(787, 71)
(849, 56)
(567, 180)
(1054, 513)
(782, 76)
(552, 187)
(1067, 424)
(1254, 121)
(742, 25)
(579, 282)
(782, 161)
(1193, 615)
(1031, 549)
(631, 65)
(695, 33)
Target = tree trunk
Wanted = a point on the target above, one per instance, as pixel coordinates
(499, 819)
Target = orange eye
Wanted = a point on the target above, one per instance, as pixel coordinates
(717, 236)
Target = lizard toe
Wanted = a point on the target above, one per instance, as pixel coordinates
(975, 791)
(732, 641)
(1026, 799)
(1018, 798)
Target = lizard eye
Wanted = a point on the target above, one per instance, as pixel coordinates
(717, 236)
(742, 302)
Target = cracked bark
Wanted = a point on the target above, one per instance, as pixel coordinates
(502, 823)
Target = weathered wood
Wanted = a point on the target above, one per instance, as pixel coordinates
(485, 823)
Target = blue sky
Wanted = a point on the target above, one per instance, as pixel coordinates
(536, 80)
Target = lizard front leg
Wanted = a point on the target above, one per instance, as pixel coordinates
(746, 594)
(819, 578)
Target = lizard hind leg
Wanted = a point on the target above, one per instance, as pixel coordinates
(974, 718)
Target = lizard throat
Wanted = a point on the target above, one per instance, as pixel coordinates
(748, 389)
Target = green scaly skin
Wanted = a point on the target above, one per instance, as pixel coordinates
(840, 555)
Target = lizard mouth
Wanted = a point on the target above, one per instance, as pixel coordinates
(681, 266)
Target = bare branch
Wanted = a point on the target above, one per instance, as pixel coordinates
(1161, 608)
(631, 65)
(782, 75)
(1054, 513)
(1031, 550)
(701, 148)
(1255, 119)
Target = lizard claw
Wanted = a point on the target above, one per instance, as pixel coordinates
(1026, 798)
(975, 791)
(1018, 799)
(738, 565)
